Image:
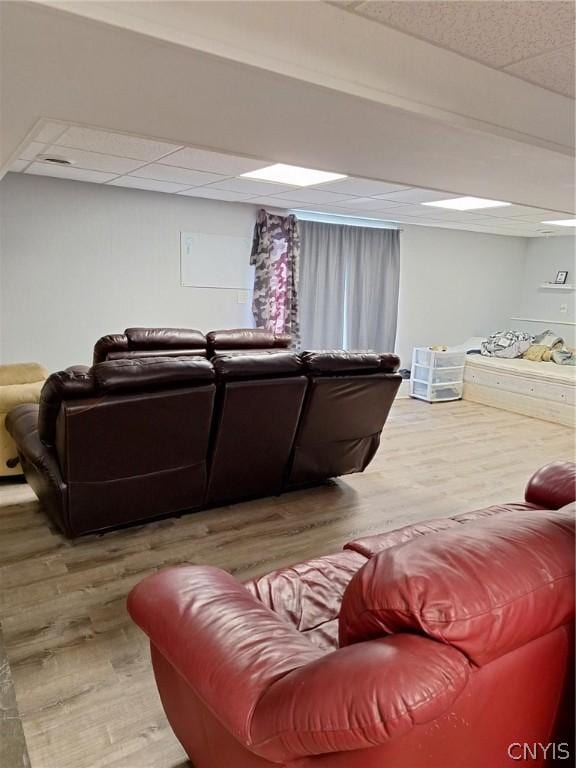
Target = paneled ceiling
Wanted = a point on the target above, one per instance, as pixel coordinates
(122, 160)
(531, 39)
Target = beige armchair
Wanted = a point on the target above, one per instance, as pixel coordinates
(19, 383)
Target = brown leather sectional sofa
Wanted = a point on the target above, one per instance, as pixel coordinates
(136, 438)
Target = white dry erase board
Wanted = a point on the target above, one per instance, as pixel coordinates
(215, 261)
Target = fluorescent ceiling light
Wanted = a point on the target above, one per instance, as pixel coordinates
(338, 218)
(467, 203)
(292, 174)
(562, 222)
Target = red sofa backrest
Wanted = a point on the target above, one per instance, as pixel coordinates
(485, 589)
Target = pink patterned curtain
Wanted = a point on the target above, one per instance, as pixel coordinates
(276, 256)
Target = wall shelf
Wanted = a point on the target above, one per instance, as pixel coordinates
(542, 322)
(557, 287)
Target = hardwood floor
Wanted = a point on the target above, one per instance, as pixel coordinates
(81, 670)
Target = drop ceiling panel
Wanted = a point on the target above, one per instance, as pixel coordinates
(213, 162)
(94, 161)
(507, 212)
(416, 196)
(32, 150)
(369, 204)
(313, 195)
(250, 187)
(361, 187)
(553, 70)
(114, 144)
(352, 197)
(217, 194)
(151, 185)
(538, 218)
(531, 39)
(69, 172)
(493, 32)
(19, 165)
(50, 132)
(178, 175)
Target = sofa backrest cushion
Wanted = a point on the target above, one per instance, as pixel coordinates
(553, 486)
(134, 455)
(340, 428)
(71, 384)
(116, 376)
(260, 364)
(246, 338)
(141, 374)
(159, 338)
(336, 361)
(339, 361)
(486, 588)
(258, 409)
(378, 542)
(111, 343)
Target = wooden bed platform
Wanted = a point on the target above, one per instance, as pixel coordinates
(542, 390)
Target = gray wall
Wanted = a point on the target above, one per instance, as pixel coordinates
(548, 307)
(79, 260)
(454, 285)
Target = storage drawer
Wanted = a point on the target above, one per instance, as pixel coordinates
(423, 356)
(439, 375)
(435, 393)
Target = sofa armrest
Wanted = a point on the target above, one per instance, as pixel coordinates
(357, 697)
(22, 425)
(552, 486)
(279, 695)
(228, 647)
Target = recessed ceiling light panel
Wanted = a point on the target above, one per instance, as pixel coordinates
(467, 203)
(292, 174)
(562, 222)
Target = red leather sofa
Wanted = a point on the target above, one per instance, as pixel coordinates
(445, 644)
(137, 438)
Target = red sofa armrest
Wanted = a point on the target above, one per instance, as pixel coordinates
(229, 647)
(279, 695)
(553, 486)
(357, 697)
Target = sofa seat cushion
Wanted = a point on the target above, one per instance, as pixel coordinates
(372, 545)
(308, 595)
(485, 589)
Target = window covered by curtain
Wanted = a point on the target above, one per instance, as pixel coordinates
(349, 286)
(275, 256)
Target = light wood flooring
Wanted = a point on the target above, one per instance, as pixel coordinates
(81, 670)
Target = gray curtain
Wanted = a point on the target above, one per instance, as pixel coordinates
(322, 285)
(349, 283)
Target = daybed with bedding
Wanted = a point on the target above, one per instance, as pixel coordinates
(543, 390)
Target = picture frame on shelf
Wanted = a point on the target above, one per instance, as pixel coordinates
(561, 277)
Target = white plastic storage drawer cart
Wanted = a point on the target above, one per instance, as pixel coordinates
(437, 376)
